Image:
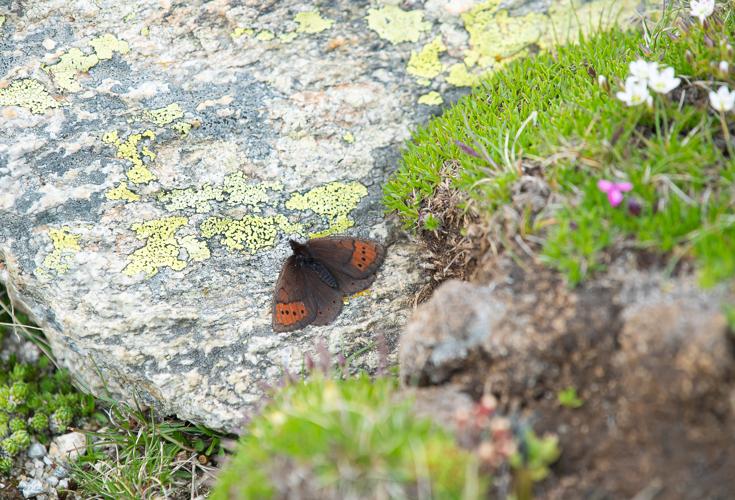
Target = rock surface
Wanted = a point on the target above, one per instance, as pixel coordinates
(650, 356)
(67, 447)
(156, 156)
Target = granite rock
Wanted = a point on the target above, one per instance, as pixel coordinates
(156, 156)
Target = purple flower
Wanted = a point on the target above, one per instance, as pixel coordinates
(614, 190)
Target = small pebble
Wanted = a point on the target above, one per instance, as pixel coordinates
(52, 480)
(36, 450)
(60, 472)
(63, 484)
(48, 461)
(31, 489)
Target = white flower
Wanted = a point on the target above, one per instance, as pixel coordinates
(702, 8)
(664, 81)
(643, 70)
(635, 92)
(724, 66)
(723, 100)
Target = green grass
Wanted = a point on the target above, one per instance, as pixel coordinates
(136, 455)
(350, 438)
(549, 110)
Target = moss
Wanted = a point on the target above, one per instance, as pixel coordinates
(131, 150)
(312, 22)
(431, 99)
(27, 93)
(334, 201)
(396, 25)
(121, 192)
(164, 116)
(251, 233)
(320, 427)
(161, 248)
(425, 63)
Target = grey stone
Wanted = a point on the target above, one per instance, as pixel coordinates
(31, 488)
(61, 472)
(448, 330)
(52, 480)
(67, 447)
(36, 450)
(156, 156)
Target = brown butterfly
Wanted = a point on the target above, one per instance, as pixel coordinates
(318, 275)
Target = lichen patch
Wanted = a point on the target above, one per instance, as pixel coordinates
(334, 201)
(27, 93)
(425, 63)
(121, 192)
(240, 192)
(164, 116)
(161, 248)
(130, 150)
(251, 233)
(312, 22)
(194, 198)
(432, 98)
(74, 61)
(66, 245)
(397, 25)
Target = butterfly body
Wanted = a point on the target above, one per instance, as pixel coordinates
(318, 275)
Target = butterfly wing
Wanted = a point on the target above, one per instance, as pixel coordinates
(357, 258)
(293, 308)
(327, 300)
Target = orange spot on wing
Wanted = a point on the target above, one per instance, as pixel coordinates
(364, 255)
(288, 314)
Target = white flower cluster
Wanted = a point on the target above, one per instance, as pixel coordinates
(723, 100)
(645, 75)
(702, 9)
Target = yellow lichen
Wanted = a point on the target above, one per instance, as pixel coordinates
(161, 248)
(121, 192)
(251, 233)
(312, 22)
(164, 116)
(198, 198)
(182, 127)
(334, 201)
(128, 150)
(196, 249)
(431, 99)
(74, 61)
(104, 46)
(2, 21)
(65, 245)
(265, 36)
(459, 76)
(348, 137)
(145, 31)
(29, 94)
(240, 32)
(397, 25)
(239, 192)
(425, 63)
(288, 37)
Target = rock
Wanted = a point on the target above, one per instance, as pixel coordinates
(31, 488)
(36, 450)
(67, 447)
(442, 404)
(52, 480)
(156, 159)
(60, 472)
(447, 331)
(63, 484)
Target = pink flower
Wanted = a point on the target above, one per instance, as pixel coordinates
(614, 190)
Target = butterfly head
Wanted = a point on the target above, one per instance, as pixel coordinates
(298, 248)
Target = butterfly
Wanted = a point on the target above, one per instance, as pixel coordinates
(318, 275)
